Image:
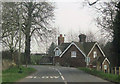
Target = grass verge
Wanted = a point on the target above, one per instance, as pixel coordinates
(12, 75)
(0, 79)
(101, 74)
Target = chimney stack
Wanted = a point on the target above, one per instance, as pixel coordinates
(82, 38)
(60, 39)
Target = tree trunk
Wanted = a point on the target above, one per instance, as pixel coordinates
(27, 48)
(27, 44)
(27, 34)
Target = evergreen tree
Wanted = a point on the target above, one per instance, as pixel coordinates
(51, 49)
(116, 35)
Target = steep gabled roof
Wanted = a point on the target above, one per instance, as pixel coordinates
(88, 46)
(84, 47)
(96, 44)
(106, 60)
(63, 46)
(80, 45)
(68, 46)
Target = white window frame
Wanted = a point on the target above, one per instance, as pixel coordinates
(73, 54)
(94, 54)
(94, 66)
(87, 60)
(57, 52)
(105, 67)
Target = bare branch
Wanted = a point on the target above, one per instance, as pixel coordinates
(91, 4)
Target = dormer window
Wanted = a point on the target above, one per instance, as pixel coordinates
(94, 54)
(73, 54)
(57, 52)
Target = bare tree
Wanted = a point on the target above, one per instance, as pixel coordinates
(72, 36)
(107, 12)
(90, 37)
(36, 17)
(54, 34)
(10, 26)
(91, 4)
(44, 42)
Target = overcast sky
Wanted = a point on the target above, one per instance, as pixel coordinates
(74, 15)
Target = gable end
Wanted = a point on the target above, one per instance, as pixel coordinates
(106, 60)
(96, 44)
(70, 46)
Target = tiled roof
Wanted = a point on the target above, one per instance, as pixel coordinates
(63, 46)
(85, 47)
(88, 46)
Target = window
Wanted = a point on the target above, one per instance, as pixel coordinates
(73, 54)
(57, 53)
(105, 67)
(94, 54)
(87, 60)
(94, 66)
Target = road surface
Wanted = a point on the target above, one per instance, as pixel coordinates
(63, 75)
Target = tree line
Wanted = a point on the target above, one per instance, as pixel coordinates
(108, 21)
(32, 19)
(27, 18)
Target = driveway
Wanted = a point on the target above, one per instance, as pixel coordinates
(63, 75)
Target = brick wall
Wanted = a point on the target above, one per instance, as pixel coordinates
(67, 60)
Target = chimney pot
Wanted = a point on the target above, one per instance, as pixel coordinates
(60, 35)
(82, 38)
(60, 39)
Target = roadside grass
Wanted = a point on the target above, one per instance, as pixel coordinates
(0, 79)
(12, 75)
(101, 74)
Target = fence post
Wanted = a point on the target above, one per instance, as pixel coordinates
(119, 70)
(108, 70)
(115, 71)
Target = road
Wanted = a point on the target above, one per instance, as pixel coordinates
(63, 75)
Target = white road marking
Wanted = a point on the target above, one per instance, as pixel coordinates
(51, 76)
(43, 76)
(56, 77)
(34, 77)
(29, 77)
(47, 76)
(65, 82)
(61, 76)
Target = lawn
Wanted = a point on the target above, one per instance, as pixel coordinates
(12, 75)
(101, 74)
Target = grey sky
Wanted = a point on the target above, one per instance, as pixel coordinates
(75, 15)
(71, 15)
